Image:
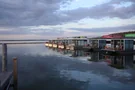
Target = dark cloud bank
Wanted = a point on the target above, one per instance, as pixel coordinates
(47, 12)
(30, 12)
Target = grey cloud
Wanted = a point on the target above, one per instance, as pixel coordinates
(27, 31)
(107, 29)
(119, 1)
(29, 12)
(58, 31)
(103, 11)
(47, 12)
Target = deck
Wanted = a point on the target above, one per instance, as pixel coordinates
(5, 80)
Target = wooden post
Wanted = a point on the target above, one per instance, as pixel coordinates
(15, 78)
(4, 57)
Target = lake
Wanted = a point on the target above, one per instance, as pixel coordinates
(41, 68)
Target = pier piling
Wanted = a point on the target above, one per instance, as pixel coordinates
(4, 57)
(15, 78)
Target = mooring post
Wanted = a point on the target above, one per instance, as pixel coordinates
(4, 57)
(15, 76)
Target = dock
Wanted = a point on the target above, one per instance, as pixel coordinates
(8, 79)
(5, 80)
(23, 43)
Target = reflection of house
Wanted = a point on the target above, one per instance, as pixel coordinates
(78, 53)
(95, 56)
(117, 62)
(120, 61)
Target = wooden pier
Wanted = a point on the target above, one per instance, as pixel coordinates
(8, 79)
(5, 80)
(24, 43)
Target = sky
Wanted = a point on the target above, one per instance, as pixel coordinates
(47, 19)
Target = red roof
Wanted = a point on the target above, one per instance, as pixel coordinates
(107, 36)
(112, 36)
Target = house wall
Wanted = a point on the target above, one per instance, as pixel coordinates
(129, 45)
(102, 43)
(134, 44)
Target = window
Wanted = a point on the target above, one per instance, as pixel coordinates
(129, 44)
(134, 42)
(108, 42)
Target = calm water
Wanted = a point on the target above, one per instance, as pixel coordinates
(41, 68)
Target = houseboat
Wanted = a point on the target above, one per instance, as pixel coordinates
(121, 43)
(50, 43)
(77, 43)
(94, 44)
(46, 44)
(117, 43)
(54, 43)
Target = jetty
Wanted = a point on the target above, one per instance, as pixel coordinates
(23, 42)
(8, 79)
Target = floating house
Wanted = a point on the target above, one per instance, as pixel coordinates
(95, 44)
(70, 43)
(77, 43)
(118, 43)
(122, 43)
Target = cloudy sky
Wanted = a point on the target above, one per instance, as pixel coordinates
(40, 19)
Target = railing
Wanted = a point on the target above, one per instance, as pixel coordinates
(116, 49)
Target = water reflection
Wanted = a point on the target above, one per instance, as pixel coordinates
(98, 80)
(50, 69)
(95, 57)
(72, 53)
(119, 62)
